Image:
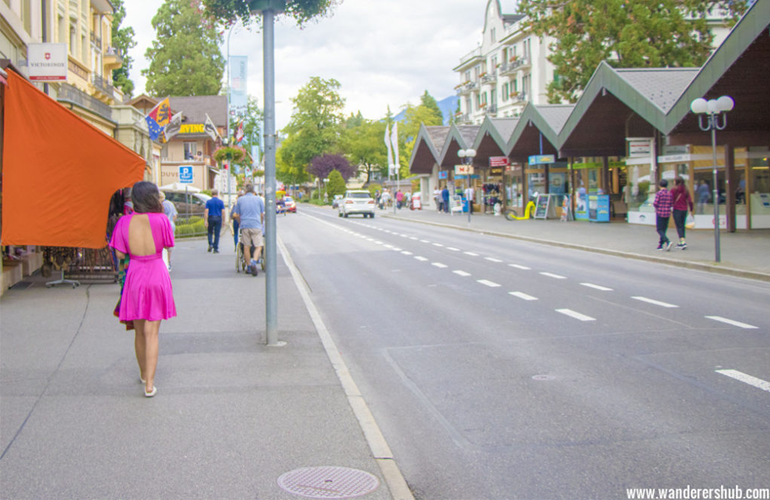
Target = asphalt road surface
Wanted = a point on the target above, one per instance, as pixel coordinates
(503, 369)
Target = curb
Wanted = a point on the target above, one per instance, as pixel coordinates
(699, 266)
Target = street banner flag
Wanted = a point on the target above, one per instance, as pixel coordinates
(239, 132)
(211, 129)
(158, 118)
(172, 128)
(390, 152)
(394, 143)
(49, 150)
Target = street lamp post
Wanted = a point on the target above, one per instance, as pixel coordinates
(713, 108)
(466, 158)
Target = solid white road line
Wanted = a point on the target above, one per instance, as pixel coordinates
(438, 264)
(555, 276)
(461, 273)
(517, 266)
(522, 295)
(421, 259)
(655, 302)
(576, 315)
(492, 259)
(733, 322)
(748, 379)
(471, 254)
(597, 287)
(488, 283)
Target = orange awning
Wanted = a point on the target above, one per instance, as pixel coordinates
(59, 172)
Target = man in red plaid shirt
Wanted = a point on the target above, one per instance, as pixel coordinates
(664, 204)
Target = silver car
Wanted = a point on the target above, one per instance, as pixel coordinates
(356, 202)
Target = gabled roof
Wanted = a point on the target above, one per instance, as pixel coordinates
(462, 136)
(739, 67)
(195, 108)
(499, 129)
(549, 120)
(661, 86)
(427, 148)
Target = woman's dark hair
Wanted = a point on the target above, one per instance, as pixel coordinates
(679, 181)
(146, 198)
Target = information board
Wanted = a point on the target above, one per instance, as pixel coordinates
(541, 206)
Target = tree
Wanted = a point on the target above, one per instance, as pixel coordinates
(315, 125)
(336, 184)
(414, 117)
(301, 10)
(429, 102)
(122, 42)
(252, 124)
(324, 165)
(637, 34)
(185, 59)
(362, 142)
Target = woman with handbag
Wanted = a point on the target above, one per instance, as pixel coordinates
(682, 201)
(147, 296)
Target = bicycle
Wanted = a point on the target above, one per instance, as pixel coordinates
(529, 212)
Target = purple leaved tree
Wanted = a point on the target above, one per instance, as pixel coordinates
(322, 166)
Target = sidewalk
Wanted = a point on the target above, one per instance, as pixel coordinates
(745, 254)
(231, 415)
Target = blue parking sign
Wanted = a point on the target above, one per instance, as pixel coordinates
(186, 174)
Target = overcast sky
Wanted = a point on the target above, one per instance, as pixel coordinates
(382, 52)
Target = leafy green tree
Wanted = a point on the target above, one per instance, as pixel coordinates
(185, 59)
(626, 34)
(315, 125)
(363, 143)
(301, 10)
(429, 102)
(288, 169)
(122, 41)
(408, 130)
(336, 184)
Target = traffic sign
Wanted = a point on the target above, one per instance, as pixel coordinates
(186, 175)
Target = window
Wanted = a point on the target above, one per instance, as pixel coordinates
(468, 105)
(525, 84)
(494, 63)
(506, 91)
(467, 76)
(190, 149)
(493, 96)
(62, 27)
(515, 86)
(493, 35)
(73, 40)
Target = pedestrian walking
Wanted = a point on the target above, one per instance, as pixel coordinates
(399, 199)
(682, 202)
(234, 224)
(445, 199)
(663, 205)
(170, 210)
(437, 198)
(213, 220)
(147, 297)
(704, 195)
(469, 193)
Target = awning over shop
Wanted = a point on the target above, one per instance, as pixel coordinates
(59, 172)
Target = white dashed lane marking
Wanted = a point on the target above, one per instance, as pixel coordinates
(576, 315)
(438, 264)
(405, 252)
(517, 266)
(732, 322)
(488, 283)
(745, 378)
(597, 287)
(655, 302)
(461, 273)
(555, 276)
(522, 296)
(471, 254)
(453, 249)
(492, 259)
(421, 259)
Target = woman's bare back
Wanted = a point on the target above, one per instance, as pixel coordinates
(140, 240)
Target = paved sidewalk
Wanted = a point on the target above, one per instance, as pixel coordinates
(231, 415)
(744, 253)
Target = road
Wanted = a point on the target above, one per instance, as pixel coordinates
(503, 369)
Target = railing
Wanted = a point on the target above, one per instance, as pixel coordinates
(69, 93)
(491, 109)
(101, 84)
(489, 77)
(471, 55)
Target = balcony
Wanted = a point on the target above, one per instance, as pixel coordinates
(72, 94)
(112, 59)
(507, 69)
(490, 77)
(102, 88)
(491, 110)
(514, 64)
(467, 88)
(471, 58)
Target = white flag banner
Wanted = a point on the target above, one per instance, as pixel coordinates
(387, 145)
(173, 126)
(210, 128)
(394, 144)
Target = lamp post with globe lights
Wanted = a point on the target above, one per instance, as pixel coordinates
(713, 109)
(466, 158)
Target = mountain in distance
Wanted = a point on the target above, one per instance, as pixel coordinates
(448, 106)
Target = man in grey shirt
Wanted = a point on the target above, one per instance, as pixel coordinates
(250, 213)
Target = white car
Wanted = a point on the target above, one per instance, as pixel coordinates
(356, 202)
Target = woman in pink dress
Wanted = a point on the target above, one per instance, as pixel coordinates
(147, 294)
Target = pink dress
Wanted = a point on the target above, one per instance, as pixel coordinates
(147, 293)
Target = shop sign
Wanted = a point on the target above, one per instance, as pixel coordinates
(542, 159)
(443, 174)
(193, 128)
(460, 176)
(674, 158)
(496, 171)
(463, 169)
(499, 161)
(639, 147)
(47, 62)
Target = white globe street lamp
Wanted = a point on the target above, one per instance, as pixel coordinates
(713, 109)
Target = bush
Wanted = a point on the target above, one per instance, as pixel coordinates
(374, 187)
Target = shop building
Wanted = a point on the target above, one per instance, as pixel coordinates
(629, 129)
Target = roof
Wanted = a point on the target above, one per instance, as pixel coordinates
(427, 148)
(459, 137)
(195, 108)
(661, 86)
(555, 114)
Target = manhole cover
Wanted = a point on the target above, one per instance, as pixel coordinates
(543, 377)
(328, 482)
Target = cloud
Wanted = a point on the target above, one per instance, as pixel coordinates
(382, 53)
